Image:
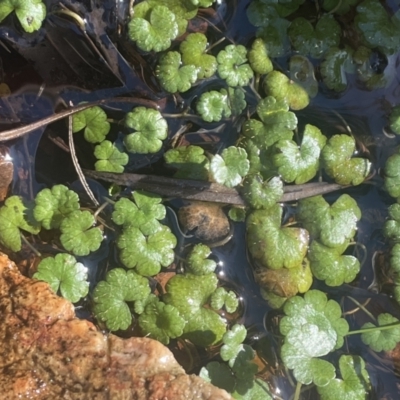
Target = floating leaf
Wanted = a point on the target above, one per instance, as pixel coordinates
(258, 57)
(237, 214)
(312, 327)
(274, 246)
(198, 262)
(64, 273)
(144, 213)
(285, 282)
(151, 128)
(94, 121)
(230, 167)
(161, 321)
(277, 122)
(314, 41)
(78, 233)
(30, 13)
(334, 67)
(394, 120)
(296, 164)
(354, 385)
(378, 29)
(189, 294)
(330, 265)
(219, 375)
(156, 32)
(391, 229)
(193, 53)
(16, 214)
(53, 205)
(190, 162)
(222, 297)
(385, 339)
(174, 77)
(337, 160)
(338, 8)
(110, 297)
(149, 253)
(332, 224)
(233, 67)
(236, 99)
(233, 340)
(262, 194)
(272, 28)
(279, 86)
(111, 159)
(392, 175)
(213, 106)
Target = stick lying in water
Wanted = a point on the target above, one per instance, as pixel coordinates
(204, 191)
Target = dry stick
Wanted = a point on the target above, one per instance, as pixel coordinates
(15, 133)
(78, 168)
(204, 191)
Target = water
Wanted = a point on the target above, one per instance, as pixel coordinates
(45, 71)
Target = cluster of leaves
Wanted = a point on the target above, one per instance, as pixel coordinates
(147, 130)
(237, 374)
(188, 308)
(153, 241)
(323, 39)
(313, 327)
(56, 208)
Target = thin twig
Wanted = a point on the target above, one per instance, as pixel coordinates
(202, 190)
(76, 164)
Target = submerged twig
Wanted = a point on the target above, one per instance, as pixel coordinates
(16, 133)
(202, 190)
(78, 168)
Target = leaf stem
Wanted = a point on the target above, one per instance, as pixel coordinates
(25, 240)
(374, 328)
(297, 391)
(362, 307)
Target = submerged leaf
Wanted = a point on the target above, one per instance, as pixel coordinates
(378, 29)
(392, 175)
(314, 41)
(394, 120)
(64, 273)
(151, 128)
(222, 297)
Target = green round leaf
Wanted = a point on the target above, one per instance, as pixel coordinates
(111, 159)
(94, 121)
